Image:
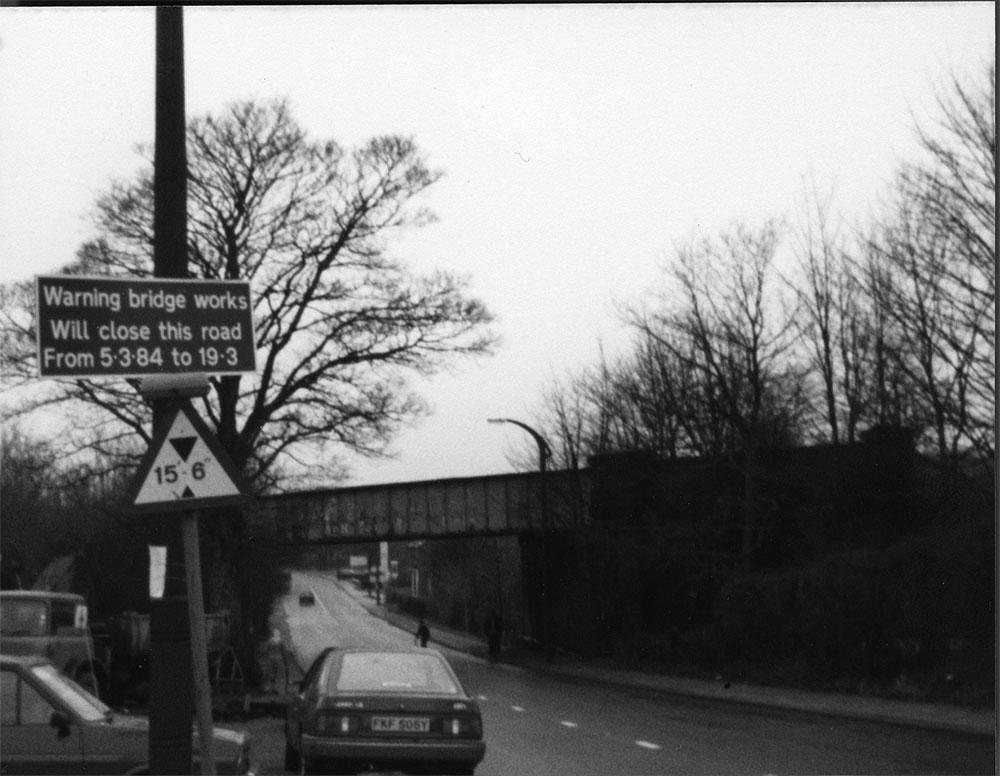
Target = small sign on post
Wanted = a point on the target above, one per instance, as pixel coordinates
(157, 571)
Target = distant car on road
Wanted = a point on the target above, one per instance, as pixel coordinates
(307, 598)
(52, 725)
(399, 709)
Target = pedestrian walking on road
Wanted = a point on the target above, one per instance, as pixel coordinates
(275, 663)
(494, 632)
(423, 633)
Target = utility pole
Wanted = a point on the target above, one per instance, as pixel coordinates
(177, 622)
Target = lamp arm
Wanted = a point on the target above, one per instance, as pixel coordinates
(543, 446)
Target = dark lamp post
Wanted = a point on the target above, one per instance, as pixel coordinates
(544, 452)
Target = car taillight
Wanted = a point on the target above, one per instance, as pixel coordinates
(336, 725)
(463, 726)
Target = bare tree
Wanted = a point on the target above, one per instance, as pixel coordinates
(646, 386)
(956, 188)
(339, 324)
(645, 400)
(734, 332)
(854, 341)
(733, 329)
(842, 326)
(564, 420)
(911, 292)
(821, 296)
(654, 403)
(933, 259)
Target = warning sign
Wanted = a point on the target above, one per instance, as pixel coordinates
(120, 327)
(185, 467)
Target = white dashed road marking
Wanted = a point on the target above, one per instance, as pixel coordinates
(567, 723)
(647, 745)
(518, 708)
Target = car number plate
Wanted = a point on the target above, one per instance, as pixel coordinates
(401, 724)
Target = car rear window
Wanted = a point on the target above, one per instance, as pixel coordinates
(394, 673)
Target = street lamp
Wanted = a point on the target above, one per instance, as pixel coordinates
(544, 452)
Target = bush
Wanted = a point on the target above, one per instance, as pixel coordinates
(920, 613)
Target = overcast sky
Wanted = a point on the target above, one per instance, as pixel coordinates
(580, 144)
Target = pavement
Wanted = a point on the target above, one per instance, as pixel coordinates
(901, 712)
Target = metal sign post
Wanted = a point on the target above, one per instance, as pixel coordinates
(199, 642)
(185, 469)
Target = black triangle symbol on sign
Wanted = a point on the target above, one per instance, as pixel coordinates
(188, 493)
(183, 446)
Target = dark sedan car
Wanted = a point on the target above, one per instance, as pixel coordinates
(384, 709)
(52, 725)
(307, 598)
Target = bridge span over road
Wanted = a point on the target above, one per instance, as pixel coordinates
(494, 505)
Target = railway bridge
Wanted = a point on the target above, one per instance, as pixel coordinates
(493, 505)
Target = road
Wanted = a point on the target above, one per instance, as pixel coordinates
(543, 724)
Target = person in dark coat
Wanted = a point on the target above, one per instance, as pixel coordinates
(276, 663)
(494, 632)
(423, 633)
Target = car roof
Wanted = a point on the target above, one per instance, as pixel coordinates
(47, 594)
(337, 654)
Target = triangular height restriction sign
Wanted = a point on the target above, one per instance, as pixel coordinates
(185, 467)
